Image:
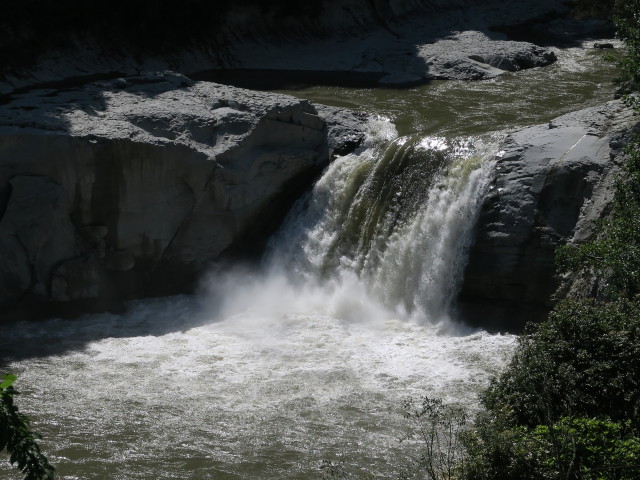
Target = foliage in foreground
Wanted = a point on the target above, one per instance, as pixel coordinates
(17, 438)
(627, 20)
(571, 448)
(440, 429)
(583, 361)
(568, 406)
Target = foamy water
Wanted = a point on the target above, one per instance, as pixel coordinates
(307, 358)
(168, 392)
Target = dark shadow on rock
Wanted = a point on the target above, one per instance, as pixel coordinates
(287, 79)
(496, 316)
(57, 336)
(563, 32)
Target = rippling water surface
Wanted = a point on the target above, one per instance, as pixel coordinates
(581, 77)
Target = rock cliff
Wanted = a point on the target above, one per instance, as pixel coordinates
(550, 187)
(395, 42)
(131, 187)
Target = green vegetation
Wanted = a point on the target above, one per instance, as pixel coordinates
(440, 428)
(627, 20)
(17, 438)
(614, 257)
(571, 448)
(583, 361)
(568, 405)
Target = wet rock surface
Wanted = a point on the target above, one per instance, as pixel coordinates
(550, 187)
(129, 188)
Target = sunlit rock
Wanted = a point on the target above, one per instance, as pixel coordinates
(130, 187)
(549, 187)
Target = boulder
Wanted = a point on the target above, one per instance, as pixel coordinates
(128, 188)
(549, 186)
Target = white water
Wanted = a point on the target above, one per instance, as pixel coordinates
(393, 223)
(250, 396)
(269, 372)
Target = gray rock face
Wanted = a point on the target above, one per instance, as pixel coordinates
(550, 186)
(130, 188)
(406, 42)
(402, 42)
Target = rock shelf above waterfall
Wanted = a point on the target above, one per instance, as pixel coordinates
(551, 185)
(127, 188)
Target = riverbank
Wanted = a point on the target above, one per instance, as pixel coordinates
(399, 43)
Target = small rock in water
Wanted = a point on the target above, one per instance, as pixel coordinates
(603, 45)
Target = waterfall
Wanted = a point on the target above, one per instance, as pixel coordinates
(392, 222)
(300, 361)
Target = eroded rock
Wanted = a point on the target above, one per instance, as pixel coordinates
(547, 186)
(131, 187)
(405, 42)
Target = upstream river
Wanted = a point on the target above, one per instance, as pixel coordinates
(270, 371)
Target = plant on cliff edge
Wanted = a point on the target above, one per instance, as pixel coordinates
(17, 438)
(614, 256)
(568, 405)
(439, 427)
(571, 448)
(627, 20)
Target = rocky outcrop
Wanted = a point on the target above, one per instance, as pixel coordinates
(398, 42)
(550, 186)
(446, 44)
(131, 187)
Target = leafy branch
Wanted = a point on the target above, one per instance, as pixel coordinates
(17, 438)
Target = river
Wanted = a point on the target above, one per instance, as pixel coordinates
(269, 371)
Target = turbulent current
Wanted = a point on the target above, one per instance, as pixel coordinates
(270, 370)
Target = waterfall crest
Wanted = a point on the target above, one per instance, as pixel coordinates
(392, 221)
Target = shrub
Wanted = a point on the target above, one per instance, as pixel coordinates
(17, 438)
(583, 361)
(495, 449)
(571, 448)
(439, 427)
(615, 255)
(627, 20)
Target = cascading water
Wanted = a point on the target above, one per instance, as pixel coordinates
(305, 360)
(396, 218)
(310, 358)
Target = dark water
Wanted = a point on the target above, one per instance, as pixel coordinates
(581, 77)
